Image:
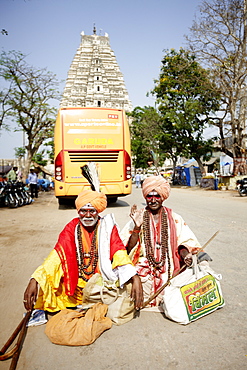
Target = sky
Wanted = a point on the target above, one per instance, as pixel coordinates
(48, 32)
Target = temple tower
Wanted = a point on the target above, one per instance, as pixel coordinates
(94, 78)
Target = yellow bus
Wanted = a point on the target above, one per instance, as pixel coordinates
(97, 135)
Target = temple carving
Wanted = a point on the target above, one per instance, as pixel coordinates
(94, 78)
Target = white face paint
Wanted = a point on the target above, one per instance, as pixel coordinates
(154, 201)
(88, 216)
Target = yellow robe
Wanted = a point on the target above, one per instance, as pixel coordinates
(49, 275)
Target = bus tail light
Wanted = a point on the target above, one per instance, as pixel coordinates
(127, 166)
(59, 167)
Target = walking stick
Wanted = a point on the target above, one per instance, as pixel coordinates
(20, 341)
(15, 351)
(178, 272)
(5, 356)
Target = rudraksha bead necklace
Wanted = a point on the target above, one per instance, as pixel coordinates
(92, 256)
(157, 264)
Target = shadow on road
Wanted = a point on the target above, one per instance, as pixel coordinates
(70, 204)
(118, 203)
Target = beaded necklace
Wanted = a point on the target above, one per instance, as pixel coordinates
(87, 260)
(157, 264)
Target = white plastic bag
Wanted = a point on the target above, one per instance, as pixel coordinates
(192, 294)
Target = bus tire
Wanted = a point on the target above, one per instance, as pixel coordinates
(111, 200)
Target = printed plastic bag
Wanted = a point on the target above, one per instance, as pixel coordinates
(192, 294)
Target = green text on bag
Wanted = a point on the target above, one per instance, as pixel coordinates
(201, 297)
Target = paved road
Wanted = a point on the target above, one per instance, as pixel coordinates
(217, 341)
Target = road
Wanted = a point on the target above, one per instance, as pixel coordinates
(216, 341)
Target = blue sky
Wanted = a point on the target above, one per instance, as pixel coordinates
(48, 31)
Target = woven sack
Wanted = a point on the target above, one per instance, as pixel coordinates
(73, 328)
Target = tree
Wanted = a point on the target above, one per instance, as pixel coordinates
(20, 152)
(39, 158)
(144, 135)
(186, 98)
(26, 101)
(219, 39)
(50, 152)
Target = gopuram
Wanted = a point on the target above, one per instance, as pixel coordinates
(94, 78)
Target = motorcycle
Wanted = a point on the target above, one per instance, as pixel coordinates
(17, 194)
(23, 194)
(7, 197)
(14, 194)
(242, 186)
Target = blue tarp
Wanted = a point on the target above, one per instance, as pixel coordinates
(187, 173)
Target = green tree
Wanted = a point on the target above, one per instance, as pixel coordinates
(20, 152)
(218, 37)
(144, 128)
(39, 158)
(50, 152)
(26, 101)
(186, 99)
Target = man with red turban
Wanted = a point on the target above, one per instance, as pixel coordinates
(88, 244)
(157, 239)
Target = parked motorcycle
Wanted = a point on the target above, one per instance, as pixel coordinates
(242, 186)
(23, 194)
(7, 197)
(13, 194)
(17, 194)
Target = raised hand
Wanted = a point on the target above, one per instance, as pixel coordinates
(137, 215)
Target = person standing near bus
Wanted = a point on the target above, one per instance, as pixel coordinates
(33, 181)
(12, 175)
(137, 180)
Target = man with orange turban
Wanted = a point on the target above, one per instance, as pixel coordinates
(157, 239)
(88, 244)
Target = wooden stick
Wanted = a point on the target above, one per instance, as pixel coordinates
(20, 341)
(20, 328)
(11, 340)
(9, 354)
(178, 272)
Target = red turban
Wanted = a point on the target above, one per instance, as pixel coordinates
(98, 200)
(158, 184)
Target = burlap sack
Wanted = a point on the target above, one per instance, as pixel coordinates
(73, 328)
(121, 308)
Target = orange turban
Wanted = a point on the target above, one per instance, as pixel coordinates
(98, 200)
(158, 184)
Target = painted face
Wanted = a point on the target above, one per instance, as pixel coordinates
(88, 216)
(154, 201)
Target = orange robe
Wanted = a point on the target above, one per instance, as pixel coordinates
(58, 276)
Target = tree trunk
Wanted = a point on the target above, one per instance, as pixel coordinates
(239, 149)
(174, 163)
(239, 166)
(28, 162)
(202, 169)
